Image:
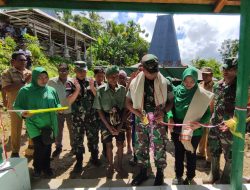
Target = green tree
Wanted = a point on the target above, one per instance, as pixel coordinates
(7, 46)
(229, 48)
(119, 44)
(212, 63)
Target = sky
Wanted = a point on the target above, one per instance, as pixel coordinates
(199, 36)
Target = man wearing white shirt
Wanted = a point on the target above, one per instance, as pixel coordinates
(59, 84)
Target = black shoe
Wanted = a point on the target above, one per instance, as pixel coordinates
(48, 173)
(159, 178)
(78, 167)
(96, 162)
(187, 181)
(37, 174)
(141, 177)
(94, 158)
(177, 181)
(57, 152)
(14, 155)
(132, 161)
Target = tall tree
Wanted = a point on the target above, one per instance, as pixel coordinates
(65, 15)
(120, 44)
(229, 48)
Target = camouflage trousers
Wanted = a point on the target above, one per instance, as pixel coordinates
(80, 127)
(92, 132)
(143, 140)
(220, 142)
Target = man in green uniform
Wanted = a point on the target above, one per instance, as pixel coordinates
(150, 96)
(220, 138)
(109, 102)
(80, 96)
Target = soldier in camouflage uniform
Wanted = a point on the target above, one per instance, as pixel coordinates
(156, 89)
(220, 138)
(80, 93)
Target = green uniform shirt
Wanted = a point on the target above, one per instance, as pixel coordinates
(149, 99)
(106, 98)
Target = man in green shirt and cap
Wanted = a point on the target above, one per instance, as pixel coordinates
(110, 104)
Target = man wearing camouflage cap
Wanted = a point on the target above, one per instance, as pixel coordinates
(80, 95)
(110, 105)
(149, 98)
(220, 139)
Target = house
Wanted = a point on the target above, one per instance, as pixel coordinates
(56, 37)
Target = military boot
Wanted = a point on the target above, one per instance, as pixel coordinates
(214, 174)
(141, 177)
(159, 177)
(226, 174)
(94, 158)
(78, 165)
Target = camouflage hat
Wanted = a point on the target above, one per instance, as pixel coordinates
(112, 70)
(150, 62)
(81, 65)
(206, 70)
(99, 70)
(230, 63)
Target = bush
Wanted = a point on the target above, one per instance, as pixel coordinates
(8, 46)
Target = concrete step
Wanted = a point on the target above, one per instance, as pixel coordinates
(95, 183)
(120, 185)
(171, 187)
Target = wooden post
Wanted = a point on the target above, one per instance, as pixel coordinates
(91, 53)
(84, 53)
(77, 49)
(34, 28)
(66, 50)
(49, 35)
(241, 95)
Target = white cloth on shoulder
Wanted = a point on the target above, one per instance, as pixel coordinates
(137, 90)
(196, 110)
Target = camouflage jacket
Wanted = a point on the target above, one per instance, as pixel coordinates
(224, 101)
(83, 104)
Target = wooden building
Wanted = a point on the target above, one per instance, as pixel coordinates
(56, 37)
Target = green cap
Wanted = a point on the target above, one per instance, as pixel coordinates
(81, 65)
(112, 70)
(230, 62)
(150, 62)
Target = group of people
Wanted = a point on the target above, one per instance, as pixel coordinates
(116, 107)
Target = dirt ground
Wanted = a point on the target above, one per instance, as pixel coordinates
(63, 165)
